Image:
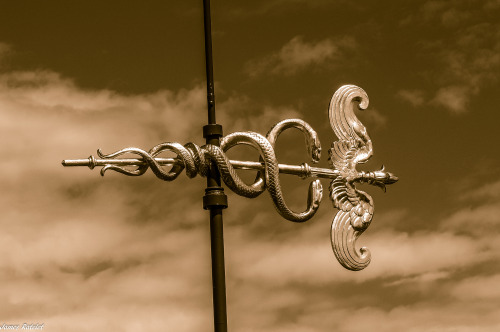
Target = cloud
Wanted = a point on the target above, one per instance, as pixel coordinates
(394, 255)
(468, 51)
(470, 64)
(454, 98)
(80, 252)
(417, 281)
(440, 11)
(420, 279)
(239, 113)
(482, 288)
(374, 118)
(489, 190)
(492, 5)
(453, 17)
(328, 307)
(414, 97)
(297, 55)
(478, 220)
(75, 245)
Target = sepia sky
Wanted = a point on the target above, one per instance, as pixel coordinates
(81, 252)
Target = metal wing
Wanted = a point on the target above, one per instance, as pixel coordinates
(356, 207)
(354, 145)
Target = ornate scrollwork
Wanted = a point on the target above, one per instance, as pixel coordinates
(356, 207)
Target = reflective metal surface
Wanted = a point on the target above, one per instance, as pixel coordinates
(303, 170)
(356, 207)
(353, 147)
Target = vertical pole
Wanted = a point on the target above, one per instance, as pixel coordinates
(214, 200)
(209, 62)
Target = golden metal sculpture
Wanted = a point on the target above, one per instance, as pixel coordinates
(356, 207)
(354, 146)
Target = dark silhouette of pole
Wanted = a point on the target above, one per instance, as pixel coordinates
(214, 200)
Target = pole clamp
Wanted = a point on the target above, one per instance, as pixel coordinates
(212, 131)
(214, 198)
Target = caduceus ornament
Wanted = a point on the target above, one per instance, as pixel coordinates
(353, 147)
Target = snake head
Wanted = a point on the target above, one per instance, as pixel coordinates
(382, 178)
(314, 147)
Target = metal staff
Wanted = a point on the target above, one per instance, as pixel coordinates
(303, 170)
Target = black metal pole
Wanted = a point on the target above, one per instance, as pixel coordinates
(209, 62)
(214, 200)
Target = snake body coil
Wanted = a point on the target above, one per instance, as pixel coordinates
(197, 160)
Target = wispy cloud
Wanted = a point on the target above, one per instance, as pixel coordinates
(454, 98)
(440, 11)
(482, 288)
(240, 113)
(414, 97)
(489, 190)
(297, 55)
(471, 63)
(468, 54)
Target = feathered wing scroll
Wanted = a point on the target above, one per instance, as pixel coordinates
(356, 207)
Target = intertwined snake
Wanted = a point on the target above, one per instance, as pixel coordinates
(197, 160)
(353, 147)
